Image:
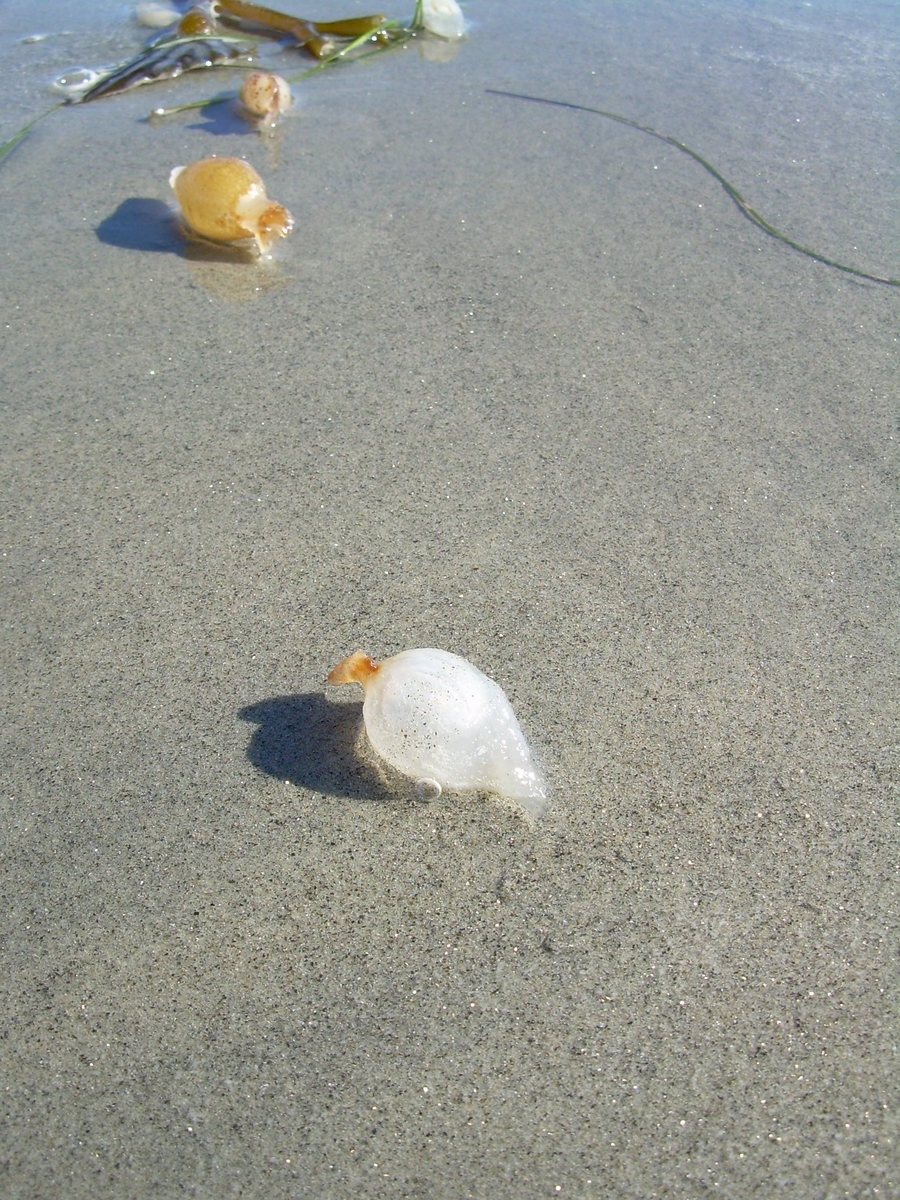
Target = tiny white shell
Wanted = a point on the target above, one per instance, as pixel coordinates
(435, 717)
(155, 15)
(443, 18)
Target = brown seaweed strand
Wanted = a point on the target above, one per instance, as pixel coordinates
(746, 209)
(301, 31)
(311, 35)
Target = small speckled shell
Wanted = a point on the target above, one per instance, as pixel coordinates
(435, 717)
(265, 96)
(224, 200)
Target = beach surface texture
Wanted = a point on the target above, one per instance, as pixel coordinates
(525, 385)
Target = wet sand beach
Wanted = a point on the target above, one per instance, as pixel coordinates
(523, 384)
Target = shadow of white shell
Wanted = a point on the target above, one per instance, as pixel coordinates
(441, 721)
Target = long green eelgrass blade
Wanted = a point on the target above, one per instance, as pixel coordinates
(10, 144)
(731, 191)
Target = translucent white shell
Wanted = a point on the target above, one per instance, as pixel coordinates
(435, 717)
(156, 15)
(444, 18)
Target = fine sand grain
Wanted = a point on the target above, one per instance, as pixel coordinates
(523, 384)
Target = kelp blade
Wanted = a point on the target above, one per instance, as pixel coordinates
(168, 61)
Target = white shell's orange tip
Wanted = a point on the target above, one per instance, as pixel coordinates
(358, 668)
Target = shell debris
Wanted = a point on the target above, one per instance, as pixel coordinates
(265, 97)
(225, 201)
(439, 720)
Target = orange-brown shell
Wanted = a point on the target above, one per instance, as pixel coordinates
(195, 23)
(224, 200)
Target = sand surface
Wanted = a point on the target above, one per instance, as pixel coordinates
(525, 385)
